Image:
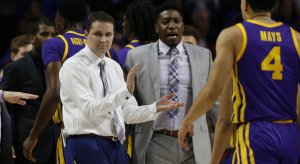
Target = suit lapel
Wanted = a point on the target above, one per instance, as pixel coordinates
(154, 69)
(195, 65)
(33, 74)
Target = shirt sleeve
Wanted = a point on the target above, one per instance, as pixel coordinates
(76, 89)
(136, 114)
(52, 50)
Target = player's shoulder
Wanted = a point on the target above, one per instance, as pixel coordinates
(231, 35)
(56, 41)
(233, 31)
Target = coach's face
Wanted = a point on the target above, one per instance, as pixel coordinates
(100, 37)
(169, 27)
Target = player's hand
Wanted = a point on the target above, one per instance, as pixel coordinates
(185, 129)
(131, 78)
(28, 146)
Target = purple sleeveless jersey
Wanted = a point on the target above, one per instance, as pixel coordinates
(63, 46)
(266, 73)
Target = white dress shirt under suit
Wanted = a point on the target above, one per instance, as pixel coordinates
(185, 92)
(85, 109)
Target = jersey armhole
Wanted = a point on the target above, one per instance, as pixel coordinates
(108, 54)
(129, 46)
(294, 35)
(244, 42)
(66, 47)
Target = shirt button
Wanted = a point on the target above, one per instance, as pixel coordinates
(127, 98)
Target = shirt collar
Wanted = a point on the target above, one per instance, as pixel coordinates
(164, 49)
(93, 58)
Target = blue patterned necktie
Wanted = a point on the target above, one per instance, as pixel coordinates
(173, 80)
(113, 114)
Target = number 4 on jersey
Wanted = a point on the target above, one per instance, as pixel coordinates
(276, 66)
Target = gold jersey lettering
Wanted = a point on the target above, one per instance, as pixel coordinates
(268, 36)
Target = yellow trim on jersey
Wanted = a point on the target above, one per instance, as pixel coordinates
(129, 46)
(238, 155)
(242, 117)
(59, 151)
(108, 53)
(240, 98)
(236, 103)
(265, 24)
(66, 48)
(234, 157)
(242, 144)
(129, 147)
(251, 155)
(134, 41)
(233, 136)
(294, 35)
(244, 42)
(76, 33)
(283, 121)
(242, 147)
(57, 117)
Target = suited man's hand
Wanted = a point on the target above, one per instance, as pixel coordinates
(131, 78)
(18, 97)
(166, 103)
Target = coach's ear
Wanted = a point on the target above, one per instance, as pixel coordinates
(156, 29)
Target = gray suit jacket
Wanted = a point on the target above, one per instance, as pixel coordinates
(148, 91)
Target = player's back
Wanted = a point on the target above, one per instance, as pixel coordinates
(63, 46)
(74, 41)
(59, 49)
(266, 73)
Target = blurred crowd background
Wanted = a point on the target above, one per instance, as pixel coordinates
(209, 17)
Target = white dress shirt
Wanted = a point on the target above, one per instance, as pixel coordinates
(85, 109)
(185, 92)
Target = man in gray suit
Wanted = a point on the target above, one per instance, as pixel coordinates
(165, 66)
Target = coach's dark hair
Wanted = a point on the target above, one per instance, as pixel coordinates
(141, 20)
(72, 10)
(168, 5)
(99, 16)
(262, 5)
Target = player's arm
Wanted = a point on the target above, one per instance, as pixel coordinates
(50, 100)
(224, 125)
(226, 45)
(47, 109)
